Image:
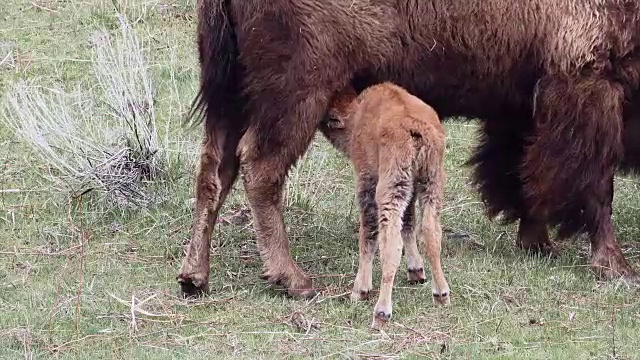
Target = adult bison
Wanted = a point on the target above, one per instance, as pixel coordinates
(556, 83)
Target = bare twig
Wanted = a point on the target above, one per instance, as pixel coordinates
(9, 191)
(133, 326)
(44, 8)
(81, 275)
(137, 308)
(64, 252)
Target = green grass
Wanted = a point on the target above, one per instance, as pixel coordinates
(58, 300)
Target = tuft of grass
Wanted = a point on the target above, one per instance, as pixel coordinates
(123, 75)
(111, 152)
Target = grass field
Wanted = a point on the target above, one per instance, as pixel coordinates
(84, 279)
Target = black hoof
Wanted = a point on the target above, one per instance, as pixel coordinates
(417, 281)
(190, 290)
(416, 276)
(444, 294)
(302, 294)
(383, 315)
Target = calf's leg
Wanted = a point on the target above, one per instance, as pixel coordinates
(430, 194)
(415, 263)
(368, 236)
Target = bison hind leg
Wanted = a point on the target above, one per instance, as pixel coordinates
(217, 171)
(368, 236)
(278, 135)
(430, 199)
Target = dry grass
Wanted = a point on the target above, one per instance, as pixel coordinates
(85, 148)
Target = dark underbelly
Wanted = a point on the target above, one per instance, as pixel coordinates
(460, 85)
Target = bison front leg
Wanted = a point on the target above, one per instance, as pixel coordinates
(497, 164)
(570, 161)
(497, 161)
(217, 170)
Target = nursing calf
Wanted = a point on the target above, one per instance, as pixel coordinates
(396, 144)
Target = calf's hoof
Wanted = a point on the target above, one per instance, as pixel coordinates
(380, 320)
(361, 288)
(416, 276)
(442, 298)
(381, 316)
(359, 295)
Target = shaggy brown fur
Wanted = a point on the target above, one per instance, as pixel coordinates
(396, 144)
(555, 82)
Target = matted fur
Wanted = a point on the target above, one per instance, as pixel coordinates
(396, 144)
(269, 69)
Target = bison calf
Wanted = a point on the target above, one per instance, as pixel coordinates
(396, 144)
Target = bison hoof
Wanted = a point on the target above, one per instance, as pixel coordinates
(302, 293)
(300, 287)
(416, 276)
(633, 280)
(537, 243)
(547, 249)
(274, 280)
(192, 288)
(615, 267)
